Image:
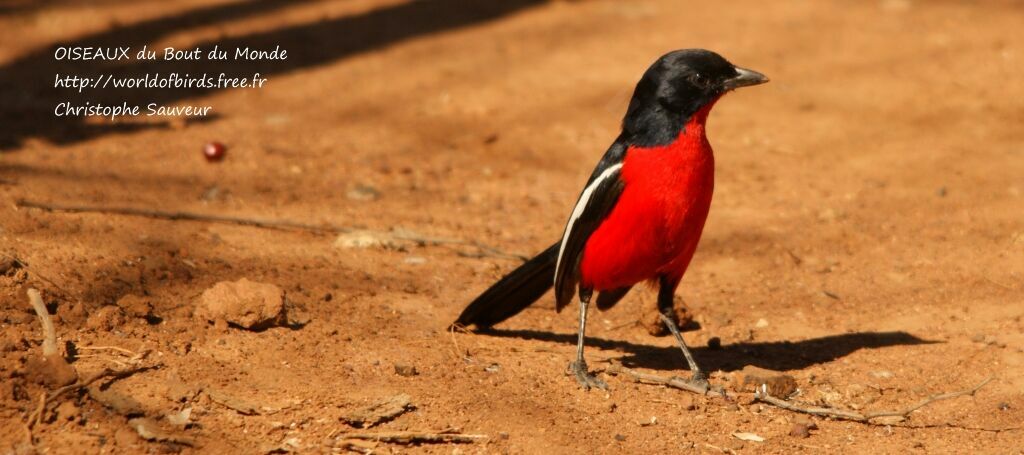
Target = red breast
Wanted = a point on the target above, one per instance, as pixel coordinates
(656, 224)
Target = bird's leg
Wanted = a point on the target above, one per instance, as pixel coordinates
(666, 293)
(579, 366)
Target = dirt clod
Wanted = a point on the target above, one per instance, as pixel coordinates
(800, 430)
(243, 303)
(405, 370)
(751, 378)
(106, 319)
(52, 371)
(135, 306)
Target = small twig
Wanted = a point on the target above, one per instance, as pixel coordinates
(106, 348)
(39, 412)
(413, 437)
(49, 334)
(677, 383)
(788, 405)
(82, 383)
(865, 417)
(960, 427)
(485, 250)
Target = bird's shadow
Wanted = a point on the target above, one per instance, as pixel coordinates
(773, 355)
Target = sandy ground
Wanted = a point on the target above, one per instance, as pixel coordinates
(866, 235)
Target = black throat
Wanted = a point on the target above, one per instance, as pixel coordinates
(652, 120)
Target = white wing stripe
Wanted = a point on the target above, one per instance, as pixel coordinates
(577, 211)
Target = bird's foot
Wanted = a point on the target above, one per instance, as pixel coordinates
(586, 380)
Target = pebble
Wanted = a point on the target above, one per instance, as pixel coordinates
(751, 379)
(405, 370)
(363, 193)
(135, 306)
(244, 303)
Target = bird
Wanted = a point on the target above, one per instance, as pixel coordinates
(642, 211)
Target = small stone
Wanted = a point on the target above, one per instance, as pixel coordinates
(619, 437)
(751, 379)
(612, 406)
(502, 435)
(244, 303)
(363, 193)
(405, 370)
(180, 419)
(883, 374)
(492, 368)
(800, 430)
(761, 323)
(1004, 406)
(214, 151)
(135, 306)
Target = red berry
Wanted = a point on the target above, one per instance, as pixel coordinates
(214, 151)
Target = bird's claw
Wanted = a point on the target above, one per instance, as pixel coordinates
(585, 379)
(700, 379)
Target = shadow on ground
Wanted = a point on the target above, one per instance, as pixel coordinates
(775, 355)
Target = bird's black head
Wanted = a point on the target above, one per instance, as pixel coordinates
(675, 88)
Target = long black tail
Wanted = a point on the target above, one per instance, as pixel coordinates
(513, 293)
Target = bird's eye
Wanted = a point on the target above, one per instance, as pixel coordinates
(698, 80)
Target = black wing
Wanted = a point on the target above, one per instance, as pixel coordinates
(593, 206)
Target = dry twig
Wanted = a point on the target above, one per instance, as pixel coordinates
(484, 250)
(50, 335)
(762, 395)
(414, 437)
(674, 382)
(864, 417)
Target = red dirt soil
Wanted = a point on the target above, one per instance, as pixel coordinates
(866, 235)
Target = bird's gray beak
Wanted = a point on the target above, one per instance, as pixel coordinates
(745, 78)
